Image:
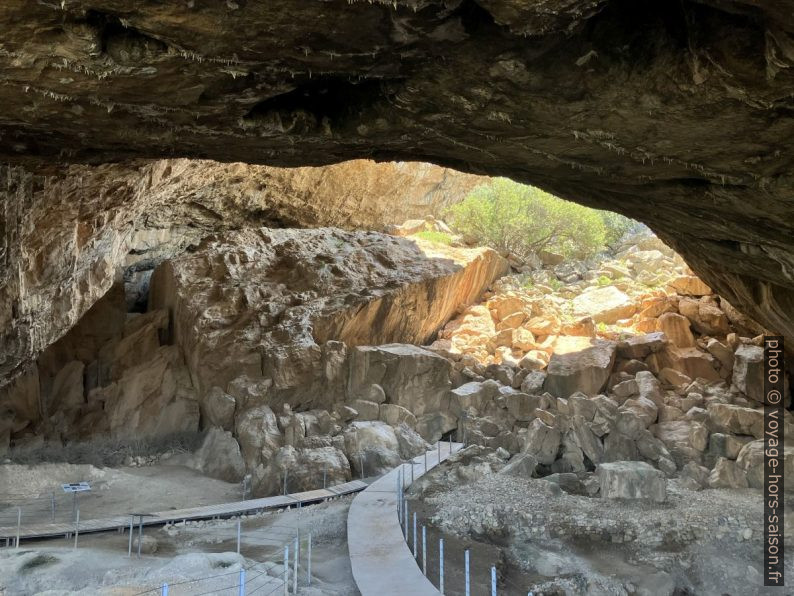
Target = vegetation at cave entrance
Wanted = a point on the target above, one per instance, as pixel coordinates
(520, 219)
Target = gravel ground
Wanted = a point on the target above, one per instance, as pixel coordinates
(697, 542)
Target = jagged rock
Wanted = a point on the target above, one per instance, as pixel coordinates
(533, 382)
(579, 364)
(626, 389)
(604, 305)
(644, 409)
(568, 482)
(722, 353)
(473, 395)
(366, 410)
(748, 371)
(631, 480)
(411, 444)
(676, 328)
(670, 376)
(305, 470)
(690, 285)
(727, 474)
(431, 427)
(727, 418)
(522, 406)
(587, 441)
(694, 477)
(218, 457)
(619, 447)
(751, 462)
(522, 465)
(686, 440)
(153, 398)
(541, 441)
(641, 346)
(649, 388)
(374, 444)
(395, 415)
(411, 377)
(580, 405)
(727, 446)
(217, 409)
(706, 317)
(258, 435)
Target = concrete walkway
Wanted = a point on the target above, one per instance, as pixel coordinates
(382, 563)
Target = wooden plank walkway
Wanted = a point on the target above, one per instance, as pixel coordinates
(47, 530)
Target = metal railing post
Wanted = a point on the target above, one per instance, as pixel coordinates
(441, 565)
(241, 591)
(309, 561)
(238, 535)
(493, 581)
(76, 527)
(405, 520)
(424, 550)
(285, 481)
(19, 524)
(286, 570)
(164, 591)
(468, 579)
(295, 566)
(129, 549)
(415, 553)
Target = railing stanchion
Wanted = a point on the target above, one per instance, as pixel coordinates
(424, 550)
(466, 566)
(441, 565)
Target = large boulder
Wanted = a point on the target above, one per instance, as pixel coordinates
(579, 364)
(705, 316)
(217, 409)
(218, 457)
(605, 305)
(676, 328)
(729, 418)
(541, 441)
(475, 395)
(631, 480)
(373, 445)
(686, 440)
(258, 434)
(690, 285)
(411, 377)
(748, 371)
(751, 462)
(305, 469)
(641, 346)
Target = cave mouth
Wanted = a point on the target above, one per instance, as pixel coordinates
(169, 321)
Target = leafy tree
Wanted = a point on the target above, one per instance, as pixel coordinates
(521, 219)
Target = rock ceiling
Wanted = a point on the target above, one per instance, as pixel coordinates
(677, 114)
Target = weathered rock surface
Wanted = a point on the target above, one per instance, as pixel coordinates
(285, 305)
(631, 480)
(579, 364)
(76, 229)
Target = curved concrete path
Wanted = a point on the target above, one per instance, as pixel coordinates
(382, 563)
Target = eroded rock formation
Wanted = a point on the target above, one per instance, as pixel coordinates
(675, 114)
(67, 236)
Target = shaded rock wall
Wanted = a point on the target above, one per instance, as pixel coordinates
(65, 237)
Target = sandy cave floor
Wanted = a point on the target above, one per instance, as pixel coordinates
(184, 551)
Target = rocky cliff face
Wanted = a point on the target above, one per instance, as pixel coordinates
(248, 319)
(66, 237)
(284, 305)
(675, 114)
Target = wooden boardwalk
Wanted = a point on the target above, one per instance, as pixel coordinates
(49, 530)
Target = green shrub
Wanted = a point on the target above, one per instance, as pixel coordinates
(603, 280)
(520, 219)
(434, 236)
